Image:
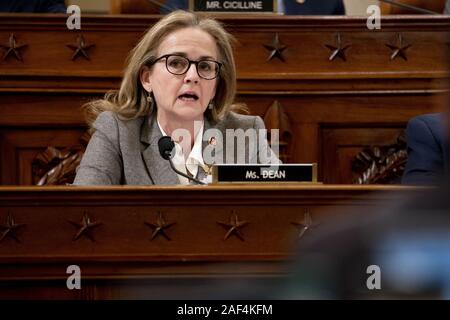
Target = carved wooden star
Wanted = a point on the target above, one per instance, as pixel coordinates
(399, 48)
(276, 48)
(305, 225)
(338, 50)
(12, 48)
(85, 227)
(10, 228)
(233, 227)
(81, 48)
(159, 226)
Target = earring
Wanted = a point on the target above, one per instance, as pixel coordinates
(150, 99)
(211, 105)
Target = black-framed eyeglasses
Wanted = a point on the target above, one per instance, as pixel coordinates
(206, 69)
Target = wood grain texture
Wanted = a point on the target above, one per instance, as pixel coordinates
(365, 95)
(124, 262)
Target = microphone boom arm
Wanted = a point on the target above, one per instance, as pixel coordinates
(184, 175)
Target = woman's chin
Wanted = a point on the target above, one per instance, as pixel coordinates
(188, 104)
(190, 111)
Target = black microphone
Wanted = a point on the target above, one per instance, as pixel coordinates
(166, 146)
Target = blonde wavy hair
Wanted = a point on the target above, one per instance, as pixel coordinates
(130, 101)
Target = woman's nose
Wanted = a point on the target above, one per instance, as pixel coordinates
(191, 74)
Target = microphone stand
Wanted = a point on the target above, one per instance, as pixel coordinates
(184, 175)
(166, 146)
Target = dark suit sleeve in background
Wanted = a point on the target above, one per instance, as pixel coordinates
(340, 8)
(54, 6)
(425, 155)
(33, 6)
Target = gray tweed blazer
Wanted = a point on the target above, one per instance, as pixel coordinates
(126, 152)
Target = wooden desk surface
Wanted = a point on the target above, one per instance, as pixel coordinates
(211, 233)
(269, 210)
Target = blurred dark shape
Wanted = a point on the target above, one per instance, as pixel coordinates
(408, 240)
(36, 6)
(289, 7)
(428, 150)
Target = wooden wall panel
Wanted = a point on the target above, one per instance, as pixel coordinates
(368, 92)
(42, 109)
(319, 123)
(19, 147)
(340, 145)
(367, 55)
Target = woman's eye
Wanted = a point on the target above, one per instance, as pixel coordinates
(205, 66)
(177, 63)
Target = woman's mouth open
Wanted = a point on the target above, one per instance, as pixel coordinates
(188, 97)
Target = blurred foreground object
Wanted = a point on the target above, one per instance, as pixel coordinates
(407, 241)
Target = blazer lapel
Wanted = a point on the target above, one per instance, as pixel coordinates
(159, 169)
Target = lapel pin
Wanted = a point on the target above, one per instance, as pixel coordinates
(212, 141)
